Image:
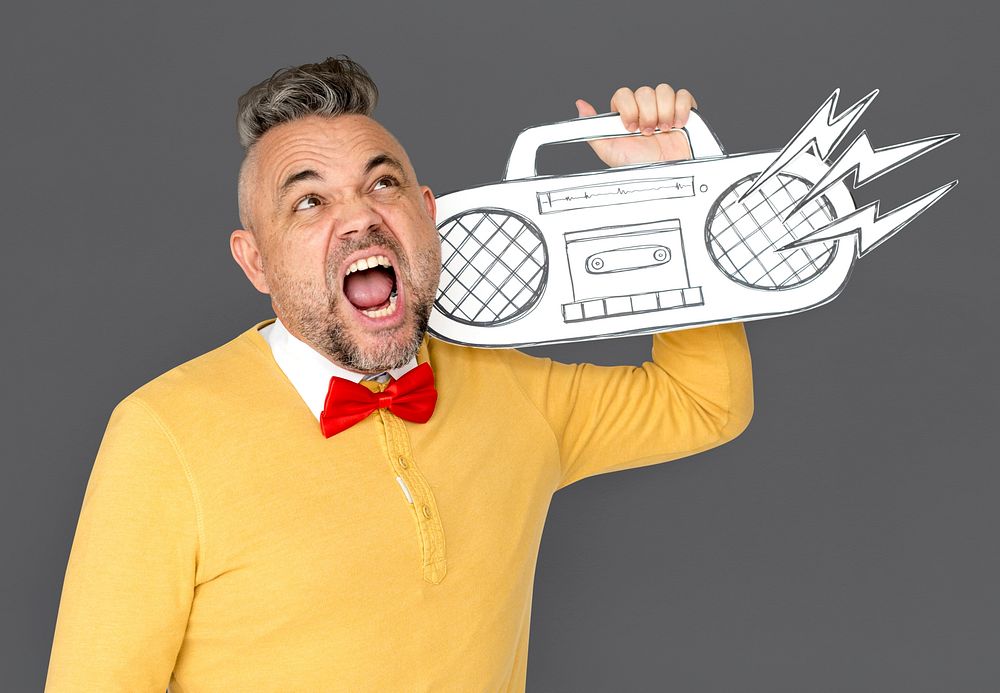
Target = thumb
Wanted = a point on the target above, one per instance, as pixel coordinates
(584, 109)
(600, 147)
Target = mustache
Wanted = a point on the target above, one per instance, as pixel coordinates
(372, 239)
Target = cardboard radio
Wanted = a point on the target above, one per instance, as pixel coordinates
(538, 259)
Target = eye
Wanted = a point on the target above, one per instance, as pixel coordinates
(386, 181)
(301, 204)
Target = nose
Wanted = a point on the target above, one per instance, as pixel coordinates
(356, 218)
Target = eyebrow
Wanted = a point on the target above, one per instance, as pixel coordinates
(310, 174)
(307, 174)
(380, 159)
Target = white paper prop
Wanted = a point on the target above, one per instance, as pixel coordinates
(670, 245)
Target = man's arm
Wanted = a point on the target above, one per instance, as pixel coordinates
(696, 393)
(131, 573)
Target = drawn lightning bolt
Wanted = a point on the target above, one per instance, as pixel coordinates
(822, 132)
(868, 164)
(872, 228)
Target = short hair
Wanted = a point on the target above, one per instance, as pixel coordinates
(336, 86)
(333, 87)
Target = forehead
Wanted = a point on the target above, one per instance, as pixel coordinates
(341, 144)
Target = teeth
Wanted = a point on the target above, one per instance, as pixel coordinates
(368, 263)
(384, 312)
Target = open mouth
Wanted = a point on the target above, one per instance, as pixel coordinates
(370, 286)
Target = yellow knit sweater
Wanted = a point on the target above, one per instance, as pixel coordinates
(224, 544)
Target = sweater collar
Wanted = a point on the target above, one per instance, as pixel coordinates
(310, 371)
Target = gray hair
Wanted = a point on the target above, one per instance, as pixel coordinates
(333, 87)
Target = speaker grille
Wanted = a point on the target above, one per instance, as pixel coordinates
(493, 266)
(742, 236)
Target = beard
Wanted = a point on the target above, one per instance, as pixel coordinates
(314, 312)
(385, 355)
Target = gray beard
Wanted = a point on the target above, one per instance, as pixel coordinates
(329, 336)
(336, 344)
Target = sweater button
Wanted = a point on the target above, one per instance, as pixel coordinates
(427, 511)
(402, 462)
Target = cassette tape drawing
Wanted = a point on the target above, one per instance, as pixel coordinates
(637, 249)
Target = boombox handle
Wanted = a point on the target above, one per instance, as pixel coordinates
(521, 164)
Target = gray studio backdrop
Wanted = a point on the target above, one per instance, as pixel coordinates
(846, 541)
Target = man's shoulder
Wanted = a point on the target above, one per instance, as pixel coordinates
(458, 357)
(230, 372)
(468, 361)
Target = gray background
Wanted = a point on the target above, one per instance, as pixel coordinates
(846, 541)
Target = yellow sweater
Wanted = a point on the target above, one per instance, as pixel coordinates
(225, 545)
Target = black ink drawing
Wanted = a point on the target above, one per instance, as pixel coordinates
(663, 246)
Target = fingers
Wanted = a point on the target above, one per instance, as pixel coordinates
(682, 107)
(645, 98)
(665, 106)
(646, 109)
(624, 102)
(584, 109)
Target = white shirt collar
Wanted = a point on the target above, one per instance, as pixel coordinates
(307, 369)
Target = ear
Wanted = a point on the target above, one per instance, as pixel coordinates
(243, 245)
(430, 204)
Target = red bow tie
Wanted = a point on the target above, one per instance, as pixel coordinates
(411, 397)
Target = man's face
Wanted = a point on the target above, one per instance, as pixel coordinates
(347, 239)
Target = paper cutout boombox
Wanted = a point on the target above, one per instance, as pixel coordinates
(638, 249)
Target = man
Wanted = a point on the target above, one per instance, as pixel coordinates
(256, 519)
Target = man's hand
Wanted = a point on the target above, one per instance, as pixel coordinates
(645, 109)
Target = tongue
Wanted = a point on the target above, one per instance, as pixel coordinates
(368, 288)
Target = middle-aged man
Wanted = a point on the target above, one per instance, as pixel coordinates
(333, 501)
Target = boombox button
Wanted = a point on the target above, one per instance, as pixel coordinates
(625, 259)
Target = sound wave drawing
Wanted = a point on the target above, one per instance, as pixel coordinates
(594, 195)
